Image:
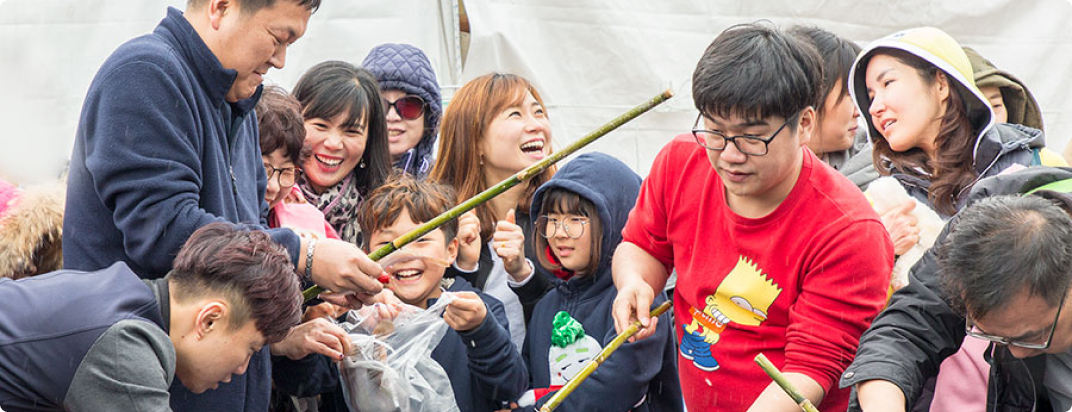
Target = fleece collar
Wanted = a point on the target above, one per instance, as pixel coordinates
(215, 80)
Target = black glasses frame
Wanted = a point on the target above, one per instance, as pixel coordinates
(969, 328)
(278, 173)
(697, 133)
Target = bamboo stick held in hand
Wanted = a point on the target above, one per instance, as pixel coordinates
(501, 187)
(566, 390)
(789, 389)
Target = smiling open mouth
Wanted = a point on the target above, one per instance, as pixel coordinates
(535, 146)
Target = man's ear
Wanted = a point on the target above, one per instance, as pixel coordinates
(452, 250)
(806, 125)
(212, 317)
(217, 9)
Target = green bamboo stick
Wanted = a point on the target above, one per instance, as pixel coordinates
(789, 389)
(505, 185)
(567, 389)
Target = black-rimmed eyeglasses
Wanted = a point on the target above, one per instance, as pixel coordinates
(286, 175)
(748, 144)
(974, 331)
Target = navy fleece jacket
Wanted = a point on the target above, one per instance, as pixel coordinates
(159, 153)
(642, 372)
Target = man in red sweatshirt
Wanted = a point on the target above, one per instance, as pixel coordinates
(776, 253)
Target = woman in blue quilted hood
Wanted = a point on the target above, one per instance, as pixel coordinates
(411, 101)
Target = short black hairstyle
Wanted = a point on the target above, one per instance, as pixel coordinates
(252, 6)
(756, 71)
(1001, 246)
(837, 54)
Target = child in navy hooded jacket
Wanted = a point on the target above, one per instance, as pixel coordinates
(579, 217)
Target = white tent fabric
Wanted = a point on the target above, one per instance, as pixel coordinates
(591, 59)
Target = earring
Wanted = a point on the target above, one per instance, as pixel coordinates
(481, 160)
(362, 164)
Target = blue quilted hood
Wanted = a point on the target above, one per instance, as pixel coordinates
(405, 67)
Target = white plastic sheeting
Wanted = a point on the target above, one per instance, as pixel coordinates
(591, 59)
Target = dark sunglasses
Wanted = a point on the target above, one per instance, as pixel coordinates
(409, 107)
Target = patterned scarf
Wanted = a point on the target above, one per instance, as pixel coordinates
(339, 204)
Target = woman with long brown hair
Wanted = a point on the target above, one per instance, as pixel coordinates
(495, 126)
(931, 127)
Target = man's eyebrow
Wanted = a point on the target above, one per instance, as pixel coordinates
(746, 123)
(994, 95)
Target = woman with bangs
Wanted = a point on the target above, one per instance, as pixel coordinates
(495, 126)
(346, 131)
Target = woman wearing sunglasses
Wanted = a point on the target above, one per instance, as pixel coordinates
(411, 103)
(494, 127)
(347, 133)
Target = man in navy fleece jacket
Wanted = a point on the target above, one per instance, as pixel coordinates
(167, 143)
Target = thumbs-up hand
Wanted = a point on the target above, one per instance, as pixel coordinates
(508, 241)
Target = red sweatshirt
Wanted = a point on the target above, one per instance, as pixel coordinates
(799, 285)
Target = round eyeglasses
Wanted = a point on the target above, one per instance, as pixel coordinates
(286, 175)
(573, 227)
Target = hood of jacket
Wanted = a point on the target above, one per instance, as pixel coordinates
(405, 67)
(612, 187)
(1019, 102)
(939, 49)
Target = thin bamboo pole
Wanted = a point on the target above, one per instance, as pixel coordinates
(789, 389)
(567, 389)
(510, 182)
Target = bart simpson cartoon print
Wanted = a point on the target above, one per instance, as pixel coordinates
(744, 297)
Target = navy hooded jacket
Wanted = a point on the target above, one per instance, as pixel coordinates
(643, 372)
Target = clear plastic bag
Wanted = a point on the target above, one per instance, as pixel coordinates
(390, 368)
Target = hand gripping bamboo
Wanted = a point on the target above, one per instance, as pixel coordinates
(504, 185)
(566, 390)
(789, 389)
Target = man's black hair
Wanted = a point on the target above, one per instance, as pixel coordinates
(1002, 246)
(756, 71)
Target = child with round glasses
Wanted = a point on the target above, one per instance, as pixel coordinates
(411, 102)
(580, 214)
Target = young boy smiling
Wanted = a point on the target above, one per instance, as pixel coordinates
(484, 367)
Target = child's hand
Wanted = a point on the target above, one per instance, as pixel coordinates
(466, 312)
(468, 240)
(316, 336)
(323, 310)
(509, 243)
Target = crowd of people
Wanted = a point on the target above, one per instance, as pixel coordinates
(199, 203)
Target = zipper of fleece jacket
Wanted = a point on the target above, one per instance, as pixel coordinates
(231, 141)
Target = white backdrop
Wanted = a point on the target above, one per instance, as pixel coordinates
(591, 59)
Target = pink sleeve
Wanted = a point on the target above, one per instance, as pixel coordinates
(647, 224)
(842, 292)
